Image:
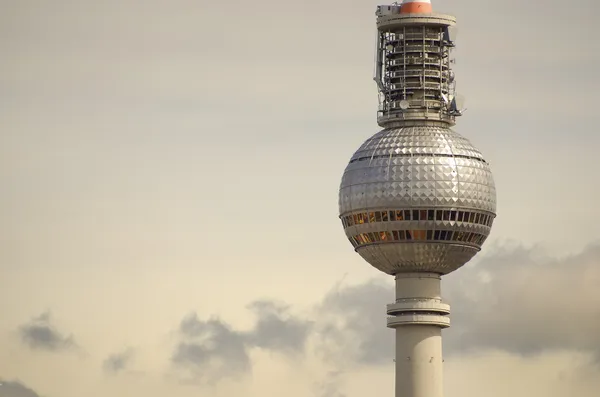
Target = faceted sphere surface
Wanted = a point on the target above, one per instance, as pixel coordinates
(417, 199)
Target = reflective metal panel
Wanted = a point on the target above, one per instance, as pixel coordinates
(417, 167)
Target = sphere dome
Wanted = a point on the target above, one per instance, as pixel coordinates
(417, 199)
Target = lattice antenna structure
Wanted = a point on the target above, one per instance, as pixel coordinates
(413, 66)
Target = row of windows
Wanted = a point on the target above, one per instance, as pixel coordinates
(417, 235)
(417, 215)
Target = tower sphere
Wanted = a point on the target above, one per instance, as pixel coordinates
(417, 199)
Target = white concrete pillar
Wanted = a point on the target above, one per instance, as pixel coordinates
(418, 317)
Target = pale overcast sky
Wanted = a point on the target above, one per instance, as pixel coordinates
(169, 175)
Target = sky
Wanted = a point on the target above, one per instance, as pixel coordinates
(169, 175)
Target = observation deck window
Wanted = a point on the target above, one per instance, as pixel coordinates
(420, 234)
(417, 235)
(360, 218)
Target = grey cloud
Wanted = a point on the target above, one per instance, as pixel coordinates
(524, 302)
(512, 299)
(15, 389)
(515, 299)
(352, 321)
(211, 350)
(276, 329)
(39, 333)
(118, 362)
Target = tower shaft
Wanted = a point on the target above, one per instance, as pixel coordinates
(418, 317)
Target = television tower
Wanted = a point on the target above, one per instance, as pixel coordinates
(417, 200)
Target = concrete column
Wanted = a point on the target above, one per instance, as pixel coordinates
(418, 317)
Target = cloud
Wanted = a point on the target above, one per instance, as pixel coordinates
(40, 334)
(523, 302)
(352, 323)
(212, 350)
(515, 300)
(15, 389)
(118, 362)
(276, 329)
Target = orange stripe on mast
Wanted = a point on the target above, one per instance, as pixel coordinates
(416, 7)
